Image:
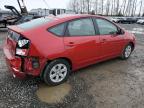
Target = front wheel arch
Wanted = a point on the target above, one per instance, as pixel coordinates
(132, 44)
(123, 52)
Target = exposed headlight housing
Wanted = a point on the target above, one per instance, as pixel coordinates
(22, 47)
(23, 42)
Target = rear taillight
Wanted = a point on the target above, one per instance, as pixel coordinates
(21, 52)
(22, 47)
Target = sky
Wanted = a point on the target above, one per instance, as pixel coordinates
(31, 4)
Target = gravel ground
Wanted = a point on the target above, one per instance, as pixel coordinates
(111, 84)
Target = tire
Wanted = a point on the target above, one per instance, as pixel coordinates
(127, 52)
(56, 72)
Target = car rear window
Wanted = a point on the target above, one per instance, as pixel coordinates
(35, 23)
(58, 29)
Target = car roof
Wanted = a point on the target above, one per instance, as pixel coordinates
(74, 16)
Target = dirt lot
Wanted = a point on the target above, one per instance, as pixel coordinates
(111, 84)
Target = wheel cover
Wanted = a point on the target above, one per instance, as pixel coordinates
(58, 73)
(128, 51)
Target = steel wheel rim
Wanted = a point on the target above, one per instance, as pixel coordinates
(58, 73)
(128, 51)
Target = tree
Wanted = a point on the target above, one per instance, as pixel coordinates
(88, 6)
(124, 6)
(140, 8)
(102, 3)
(96, 6)
(117, 9)
(72, 5)
(107, 7)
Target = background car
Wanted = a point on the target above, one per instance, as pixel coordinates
(128, 20)
(117, 19)
(141, 21)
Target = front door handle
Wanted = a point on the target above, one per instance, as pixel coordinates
(104, 40)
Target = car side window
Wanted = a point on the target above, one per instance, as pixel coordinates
(106, 27)
(58, 29)
(81, 27)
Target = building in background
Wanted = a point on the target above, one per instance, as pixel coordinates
(46, 12)
(40, 11)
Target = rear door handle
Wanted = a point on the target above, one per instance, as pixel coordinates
(71, 44)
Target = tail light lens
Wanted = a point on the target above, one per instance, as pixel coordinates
(22, 47)
(21, 52)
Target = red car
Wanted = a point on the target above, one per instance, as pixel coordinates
(53, 47)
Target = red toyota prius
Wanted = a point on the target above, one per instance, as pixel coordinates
(52, 47)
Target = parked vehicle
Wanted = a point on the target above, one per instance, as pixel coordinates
(53, 47)
(141, 21)
(117, 19)
(17, 17)
(128, 20)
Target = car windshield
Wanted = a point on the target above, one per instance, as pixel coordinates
(35, 23)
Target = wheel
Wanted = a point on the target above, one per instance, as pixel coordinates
(127, 52)
(56, 72)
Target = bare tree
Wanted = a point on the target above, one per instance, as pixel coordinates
(107, 7)
(140, 8)
(117, 7)
(88, 2)
(102, 4)
(72, 5)
(127, 11)
(135, 5)
(124, 6)
(96, 6)
(112, 7)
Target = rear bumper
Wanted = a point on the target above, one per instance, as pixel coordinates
(14, 64)
(14, 71)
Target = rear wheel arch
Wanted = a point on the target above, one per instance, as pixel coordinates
(63, 58)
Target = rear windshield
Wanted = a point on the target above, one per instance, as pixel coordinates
(35, 23)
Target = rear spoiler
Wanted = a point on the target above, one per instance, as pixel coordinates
(15, 29)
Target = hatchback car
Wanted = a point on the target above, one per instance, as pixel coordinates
(53, 47)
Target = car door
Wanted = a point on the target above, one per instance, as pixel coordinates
(81, 41)
(111, 41)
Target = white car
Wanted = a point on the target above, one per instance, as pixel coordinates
(141, 21)
(117, 19)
